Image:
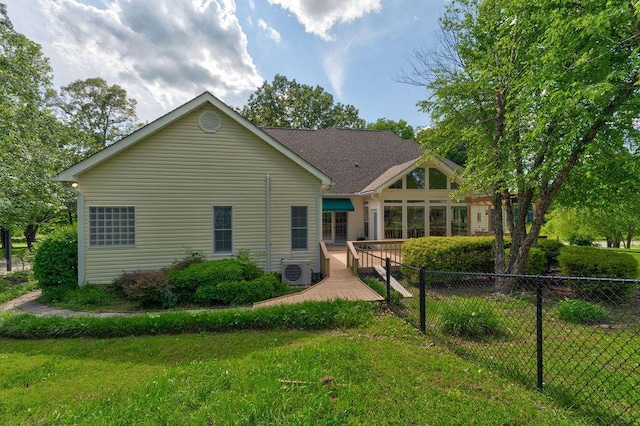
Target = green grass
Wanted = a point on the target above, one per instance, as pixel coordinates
(9, 291)
(384, 373)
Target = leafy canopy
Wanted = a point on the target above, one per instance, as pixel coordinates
(287, 103)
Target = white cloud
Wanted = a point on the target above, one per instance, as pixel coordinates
(166, 51)
(318, 17)
(271, 32)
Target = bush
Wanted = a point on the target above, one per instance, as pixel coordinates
(250, 270)
(471, 318)
(191, 258)
(536, 263)
(463, 254)
(582, 312)
(56, 258)
(188, 280)
(56, 294)
(149, 289)
(239, 293)
(551, 249)
(17, 277)
(599, 263)
(302, 316)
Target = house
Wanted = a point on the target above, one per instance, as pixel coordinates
(202, 178)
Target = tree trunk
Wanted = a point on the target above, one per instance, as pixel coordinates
(30, 235)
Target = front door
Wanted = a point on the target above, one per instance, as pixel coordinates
(340, 222)
(334, 227)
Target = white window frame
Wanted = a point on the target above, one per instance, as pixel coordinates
(222, 252)
(299, 228)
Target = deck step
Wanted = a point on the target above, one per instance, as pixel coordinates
(394, 283)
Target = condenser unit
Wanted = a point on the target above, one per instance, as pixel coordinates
(296, 272)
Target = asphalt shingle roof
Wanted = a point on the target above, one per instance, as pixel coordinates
(354, 159)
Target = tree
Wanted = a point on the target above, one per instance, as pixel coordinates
(287, 103)
(400, 127)
(30, 148)
(101, 114)
(531, 88)
(456, 153)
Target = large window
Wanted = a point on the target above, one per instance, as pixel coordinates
(222, 230)
(392, 221)
(112, 226)
(438, 221)
(459, 221)
(299, 228)
(437, 179)
(415, 179)
(415, 221)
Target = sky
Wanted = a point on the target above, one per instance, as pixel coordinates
(166, 52)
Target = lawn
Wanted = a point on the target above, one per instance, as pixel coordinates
(382, 373)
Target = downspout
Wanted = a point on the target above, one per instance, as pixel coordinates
(268, 216)
(81, 236)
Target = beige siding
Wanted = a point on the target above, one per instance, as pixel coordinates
(175, 177)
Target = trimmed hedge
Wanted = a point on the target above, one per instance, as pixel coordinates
(551, 250)
(56, 258)
(599, 263)
(186, 281)
(303, 316)
(238, 293)
(536, 263)
(461, 254)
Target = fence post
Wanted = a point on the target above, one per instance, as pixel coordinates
(539, 333)
(423, 300)
(387, 265)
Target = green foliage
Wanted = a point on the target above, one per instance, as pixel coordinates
(303, 316)
(238, 293)
(56, 294)
(536, 263)
(287, 103)
(150, 289)
(582, 312)
(551, 249)
(56, 258)
(81, 297)
(463, 254)
(190, 258)
(594, 262)
(472, 318)
(250, 270)
(570, 224)
(400, 127)
(17, 277)
(187, 281)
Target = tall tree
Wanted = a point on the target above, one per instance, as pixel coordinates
(30, 152)
(99, 112)
(400, 127)
(287, 103)
(532, 88)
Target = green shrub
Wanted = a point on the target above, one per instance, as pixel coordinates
(149, 289)
(239, 293)
(464, 254)
(536, 263)
(56, 258)
(250, 270)
(551, 249)
(582, 312)
(56, 294)
(188, 280)
(191, 258)
(471, 318)
(302, 316)
(599, 263)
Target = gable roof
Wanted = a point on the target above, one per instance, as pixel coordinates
(72, 173)
(358, 161)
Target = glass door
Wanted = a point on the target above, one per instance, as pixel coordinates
(327, 227)
(340, 227)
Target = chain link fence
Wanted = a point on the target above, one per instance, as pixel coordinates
(575, 339)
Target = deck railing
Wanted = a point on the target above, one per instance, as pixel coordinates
(357, 253)
(325, 260)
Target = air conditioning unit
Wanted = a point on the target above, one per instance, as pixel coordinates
(296, 272)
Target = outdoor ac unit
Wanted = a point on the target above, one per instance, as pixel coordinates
(296, 272)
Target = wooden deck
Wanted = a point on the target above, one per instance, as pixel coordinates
(340, 284)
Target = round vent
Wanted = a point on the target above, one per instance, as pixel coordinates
(209, 122)
(292, 272)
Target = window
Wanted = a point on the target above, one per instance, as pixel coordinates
(392, 222)
(437, 179)
(396, 185)
(299, 228)
(415, 221)
(415, 179)
(112, 226)
(459, 222)
(222, 230)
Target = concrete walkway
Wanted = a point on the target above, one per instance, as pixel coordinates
(27, 304)
(341, 284)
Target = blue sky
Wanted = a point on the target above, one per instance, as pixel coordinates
(165, 52)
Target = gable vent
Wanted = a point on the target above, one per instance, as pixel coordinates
(209, 122)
